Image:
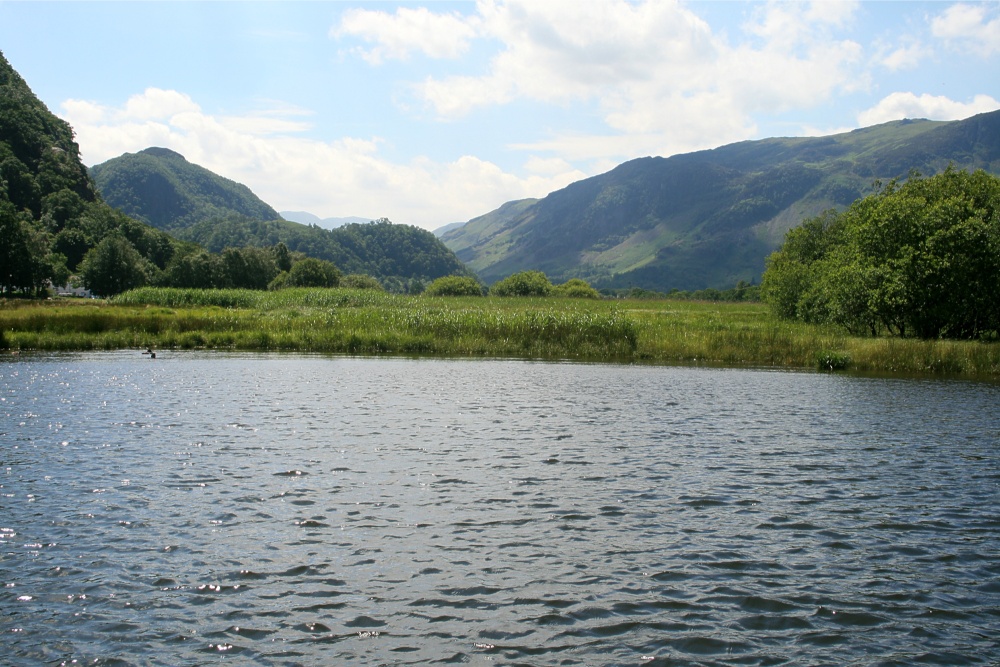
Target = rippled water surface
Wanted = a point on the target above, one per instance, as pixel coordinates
(299, 510)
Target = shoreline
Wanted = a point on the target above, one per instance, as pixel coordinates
(366, 323)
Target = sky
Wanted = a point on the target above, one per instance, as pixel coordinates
(429, 113)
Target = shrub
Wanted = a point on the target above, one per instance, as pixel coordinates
(454, 286)
(525, 283)
(828, 360)
(361, 281)
(279, 282)
(312, 272)
(576, 288)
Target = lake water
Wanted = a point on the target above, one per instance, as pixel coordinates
(306, 510)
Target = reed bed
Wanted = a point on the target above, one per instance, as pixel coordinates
(370, 322)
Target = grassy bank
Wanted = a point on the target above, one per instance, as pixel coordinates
(368, 322)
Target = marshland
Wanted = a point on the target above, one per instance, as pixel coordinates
(369, 322)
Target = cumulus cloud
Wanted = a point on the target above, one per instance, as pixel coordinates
(398, 35)
(655, 72)
(971, 26)
(905, 56)
(908, 105)
(344, 177)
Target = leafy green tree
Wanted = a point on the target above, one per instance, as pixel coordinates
(200, 270)
(312, 272)
(249, 267)
(114, 266)
(525, 283)
(920, 258)
(282, 257)
(16, 260)
(72, 244)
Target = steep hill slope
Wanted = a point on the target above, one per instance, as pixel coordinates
(50, 212)
(709, 219)
(160, 187)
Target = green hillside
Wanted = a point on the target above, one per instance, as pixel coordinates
(392, 253)
(50, 212)
(194, 204)
(708, 219)
(161, 188)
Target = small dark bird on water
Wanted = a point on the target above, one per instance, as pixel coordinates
(149, 351)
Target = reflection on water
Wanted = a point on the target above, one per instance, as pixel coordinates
(286, 510)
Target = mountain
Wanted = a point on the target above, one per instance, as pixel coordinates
(305, 218)
(50, 212)
(444, 229)
(161, 188)
(709, 218)
(197, 205)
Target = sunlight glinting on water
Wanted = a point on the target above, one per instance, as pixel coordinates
(287, 510)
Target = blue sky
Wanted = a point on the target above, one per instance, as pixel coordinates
(435, 112)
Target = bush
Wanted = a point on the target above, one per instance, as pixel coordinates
(828, 360)
(525, 283)
(361, 281)
(576, 288)
(454, 286)
(312, 272)
(280, 281)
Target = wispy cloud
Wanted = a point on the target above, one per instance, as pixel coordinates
(398, 35)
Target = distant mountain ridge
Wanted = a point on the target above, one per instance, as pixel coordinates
(160, 187)
(306, 218)
(709, 218)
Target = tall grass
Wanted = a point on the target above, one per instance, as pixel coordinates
(371, 322)
(334, 320)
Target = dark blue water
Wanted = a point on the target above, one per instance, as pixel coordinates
(299, 510)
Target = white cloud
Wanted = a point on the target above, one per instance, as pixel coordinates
(398, 35)
(908, 105)
(290, 172)
(656, 73)
(970, 26)
(907, 55)
(158, 104)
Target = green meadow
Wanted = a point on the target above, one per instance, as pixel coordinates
(366, 322)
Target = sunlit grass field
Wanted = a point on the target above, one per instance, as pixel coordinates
(369, 322)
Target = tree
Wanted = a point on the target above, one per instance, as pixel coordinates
(114, 266)
(920, 258)
(249, 268)
(200, 270)
(282, 257)
(312, 272)
(454, 286)
(525, 283)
